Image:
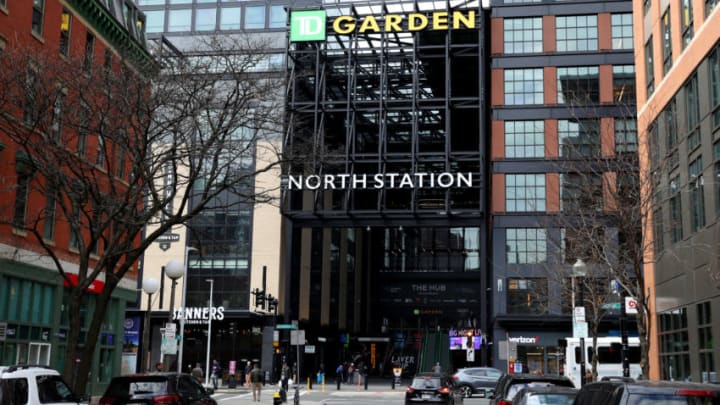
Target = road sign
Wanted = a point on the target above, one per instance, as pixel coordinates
(297, 337)
(285, 326)
(579, 314)
(580, 329)
(310, 349)
(170, 329)
(631, 305)
(610, 305)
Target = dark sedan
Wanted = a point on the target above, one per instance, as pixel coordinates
(157, 388)
(433, 388)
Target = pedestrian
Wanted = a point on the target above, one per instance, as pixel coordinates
(437, 368)
(197, 372)
(285, 376)
(248, 370)
(351, 373)
(215, 373)
(256, 379)
(339, 374)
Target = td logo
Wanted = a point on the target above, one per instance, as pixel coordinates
(308, 25)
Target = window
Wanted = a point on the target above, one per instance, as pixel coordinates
(579, 138)
(527, 296)
(654, 138)
(697, 195)
(50, 206)
(714, 68)
(649, 67)
(581, 192)
(622, 31)
(17, 389)
(230, 18)
(658, 231)
(3, 5)
(155, 20)
(577, 33)
(692, 104)
(646, 6)
(583, 242)
(83, 128)
(57, 116)
(676, 231)
(65, 25)
(523, 35)
(278, 17)
(30, 110)
(38, 12)
(717, 178)
(526, 245)
(626, 135)
(624, 84)
(524, 139)
(21, 197)
(523, 86)
(205, 19)
(670, 120)
(525, 192)
(674, 345)
(666, 41)
(255, 17)
(578, 85)
(686, 22)
(89, 51)
(708, 374)
(101, 147)
(179, 20)
(709, 6)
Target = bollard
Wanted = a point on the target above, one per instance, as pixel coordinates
(309, 384)
(366, 380)
(338, 383)
(277, 399)
(393, 383)
(296, 399)
(323, 383)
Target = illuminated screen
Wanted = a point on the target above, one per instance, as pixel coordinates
(460, 342)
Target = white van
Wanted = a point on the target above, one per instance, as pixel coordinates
(609, 357)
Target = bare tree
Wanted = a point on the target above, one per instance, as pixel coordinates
(104, 152)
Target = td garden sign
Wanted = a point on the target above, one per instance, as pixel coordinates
(310, 25)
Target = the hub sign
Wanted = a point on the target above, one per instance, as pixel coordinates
(309, 25)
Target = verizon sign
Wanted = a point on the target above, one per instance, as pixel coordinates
(524, 339)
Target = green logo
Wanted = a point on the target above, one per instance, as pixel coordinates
(308, 25)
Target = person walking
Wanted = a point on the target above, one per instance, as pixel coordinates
(248, 370)
(437, 368)
(215, 373)
(256, 379)
(197, 372)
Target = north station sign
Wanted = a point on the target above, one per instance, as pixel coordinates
(310, 25)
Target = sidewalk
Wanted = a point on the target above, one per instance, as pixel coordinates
(316, 395)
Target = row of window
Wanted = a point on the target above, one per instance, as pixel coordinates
(675, 344)
(574, 33)
(213, 18)
(576, 138)
(575, 85)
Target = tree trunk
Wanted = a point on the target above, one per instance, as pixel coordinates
(73, 337)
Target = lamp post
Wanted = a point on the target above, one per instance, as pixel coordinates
(579, 270)
(150, 286)
(207, 354)
(188, 249)
(175, 270)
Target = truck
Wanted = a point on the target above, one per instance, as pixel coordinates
(609, 352)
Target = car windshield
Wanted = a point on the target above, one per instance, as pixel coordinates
(52, 389)
(513, 389)
(646, 399)
(125, 387)
(550, 399)
(422, 383)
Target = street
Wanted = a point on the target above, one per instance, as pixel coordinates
(348, 395)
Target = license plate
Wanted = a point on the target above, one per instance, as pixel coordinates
(427, 396)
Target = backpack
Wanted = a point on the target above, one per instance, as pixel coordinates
(339, 369)
(256, 376)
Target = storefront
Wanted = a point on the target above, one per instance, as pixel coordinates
(531, 351)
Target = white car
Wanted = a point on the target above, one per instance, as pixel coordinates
(34, 385)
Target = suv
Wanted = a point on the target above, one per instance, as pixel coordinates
(628, 392)
(476, 380)
(27, 384)
(509, 384)
(157, 388)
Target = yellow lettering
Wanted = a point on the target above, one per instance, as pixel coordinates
(468, 21)
(344, 24)
(392, 23)
(440, 20)
(370, 23)
(412, 26)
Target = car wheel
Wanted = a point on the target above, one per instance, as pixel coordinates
(466, 391)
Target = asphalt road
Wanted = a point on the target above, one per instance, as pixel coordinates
(348, 395)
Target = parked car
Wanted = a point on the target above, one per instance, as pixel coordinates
(29, 384)
(476, 380)
(545, 395)
(433, 387)
(509, 384)
(157, 388)
(628, 392)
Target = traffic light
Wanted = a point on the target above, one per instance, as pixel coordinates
(469, 342)
(259, 298)
(272, 303)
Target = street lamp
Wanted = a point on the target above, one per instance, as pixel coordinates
(579, 269)
(188, 249)
(207, 354)
(173, 269)
(150, 286)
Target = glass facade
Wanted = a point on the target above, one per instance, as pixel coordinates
(576, 33)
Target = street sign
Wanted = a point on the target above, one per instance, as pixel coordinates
(285, 326)
(170, 329)
(580, 329)
(610, 305)
(631, 305)
(309, 349)
(470, 355)
(297, 337)
(579, 314)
